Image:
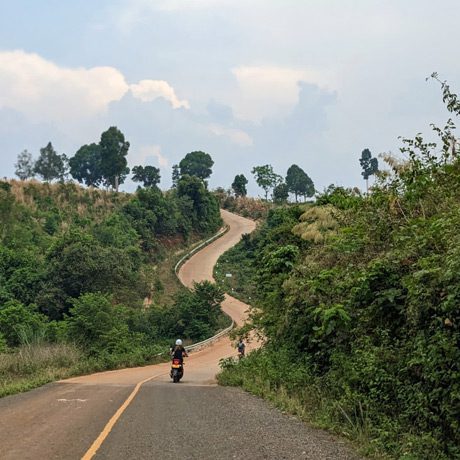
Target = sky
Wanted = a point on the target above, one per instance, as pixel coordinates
(251, 82)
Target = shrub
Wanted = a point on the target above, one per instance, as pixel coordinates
(17, 320)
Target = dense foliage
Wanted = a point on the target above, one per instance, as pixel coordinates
(198, 164)
(299, 183)
(76, 266)
(359, 302)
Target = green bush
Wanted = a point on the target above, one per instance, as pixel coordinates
(368, 311)
(16, 319)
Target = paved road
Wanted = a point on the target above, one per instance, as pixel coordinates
(138, 414)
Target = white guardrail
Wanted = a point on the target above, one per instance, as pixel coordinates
(187, 256)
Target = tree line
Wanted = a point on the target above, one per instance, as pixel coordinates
(296, 181)
(105, 164)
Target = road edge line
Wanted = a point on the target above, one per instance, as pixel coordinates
(91, 452)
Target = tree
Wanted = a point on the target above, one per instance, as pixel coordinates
(114, 150)
(16, 318)
(175, 175)
(370, 165)
(239, 185)
(149, 175)
(197, 164)
(50, 165)
(25, 166)
(205, 208)
(280, 193)
(299, 183)
(266, 178)
(85, 166)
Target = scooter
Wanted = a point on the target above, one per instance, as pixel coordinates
(177, 370)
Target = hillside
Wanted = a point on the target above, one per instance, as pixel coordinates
(358, 297)
(76, 265)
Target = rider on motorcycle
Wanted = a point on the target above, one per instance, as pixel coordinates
(178, 351)
(241, 348)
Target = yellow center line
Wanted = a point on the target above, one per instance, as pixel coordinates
(91, 452)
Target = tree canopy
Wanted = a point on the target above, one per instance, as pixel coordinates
(280, 193)
(86, 166)
(50, 165)
(25, 166)
(114, 149)
(266, 178)
(299, 183)
(239, 185)
(369, 165)
(197, 164)
(175, 175)
(148, 175)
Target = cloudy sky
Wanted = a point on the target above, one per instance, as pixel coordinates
(311, 82)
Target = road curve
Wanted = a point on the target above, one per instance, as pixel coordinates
(160, 420)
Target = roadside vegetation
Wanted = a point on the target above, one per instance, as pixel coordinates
(357, 297)
(86, 278)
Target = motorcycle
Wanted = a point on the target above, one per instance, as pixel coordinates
(177, 370)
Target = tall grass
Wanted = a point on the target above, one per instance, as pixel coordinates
(35, 364)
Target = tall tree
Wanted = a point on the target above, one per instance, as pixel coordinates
(239, 185)
(25, 166)
(370, 165)
(280, 193)
(148, 175)
(175, 175)
(85, 166)
(197, 164)
(266, 178)
(114, 149)
(50, 165)
(298, 182)
(205, 207)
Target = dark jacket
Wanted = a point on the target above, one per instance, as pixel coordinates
(179, 352)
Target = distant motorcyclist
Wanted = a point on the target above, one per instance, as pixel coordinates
(241, 349)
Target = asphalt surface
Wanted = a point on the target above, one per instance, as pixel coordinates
(138, 413)
(56, 421)
(170, 421)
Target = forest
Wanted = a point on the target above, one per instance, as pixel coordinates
(357, 298)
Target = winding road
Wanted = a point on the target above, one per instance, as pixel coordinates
(138, 413)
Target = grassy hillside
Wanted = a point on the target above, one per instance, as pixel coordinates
(76, 268)
(359, 298)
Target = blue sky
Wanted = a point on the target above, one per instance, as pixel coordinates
(310, 82)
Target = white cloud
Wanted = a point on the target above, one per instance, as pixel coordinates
(146, 154)
(148, 90)
(237, 136)
(44, 91)
(272, 91)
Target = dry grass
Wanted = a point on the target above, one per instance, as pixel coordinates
(253, 208)
(69, 197)
(33, 365)
(29, 359)
(317, 223)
